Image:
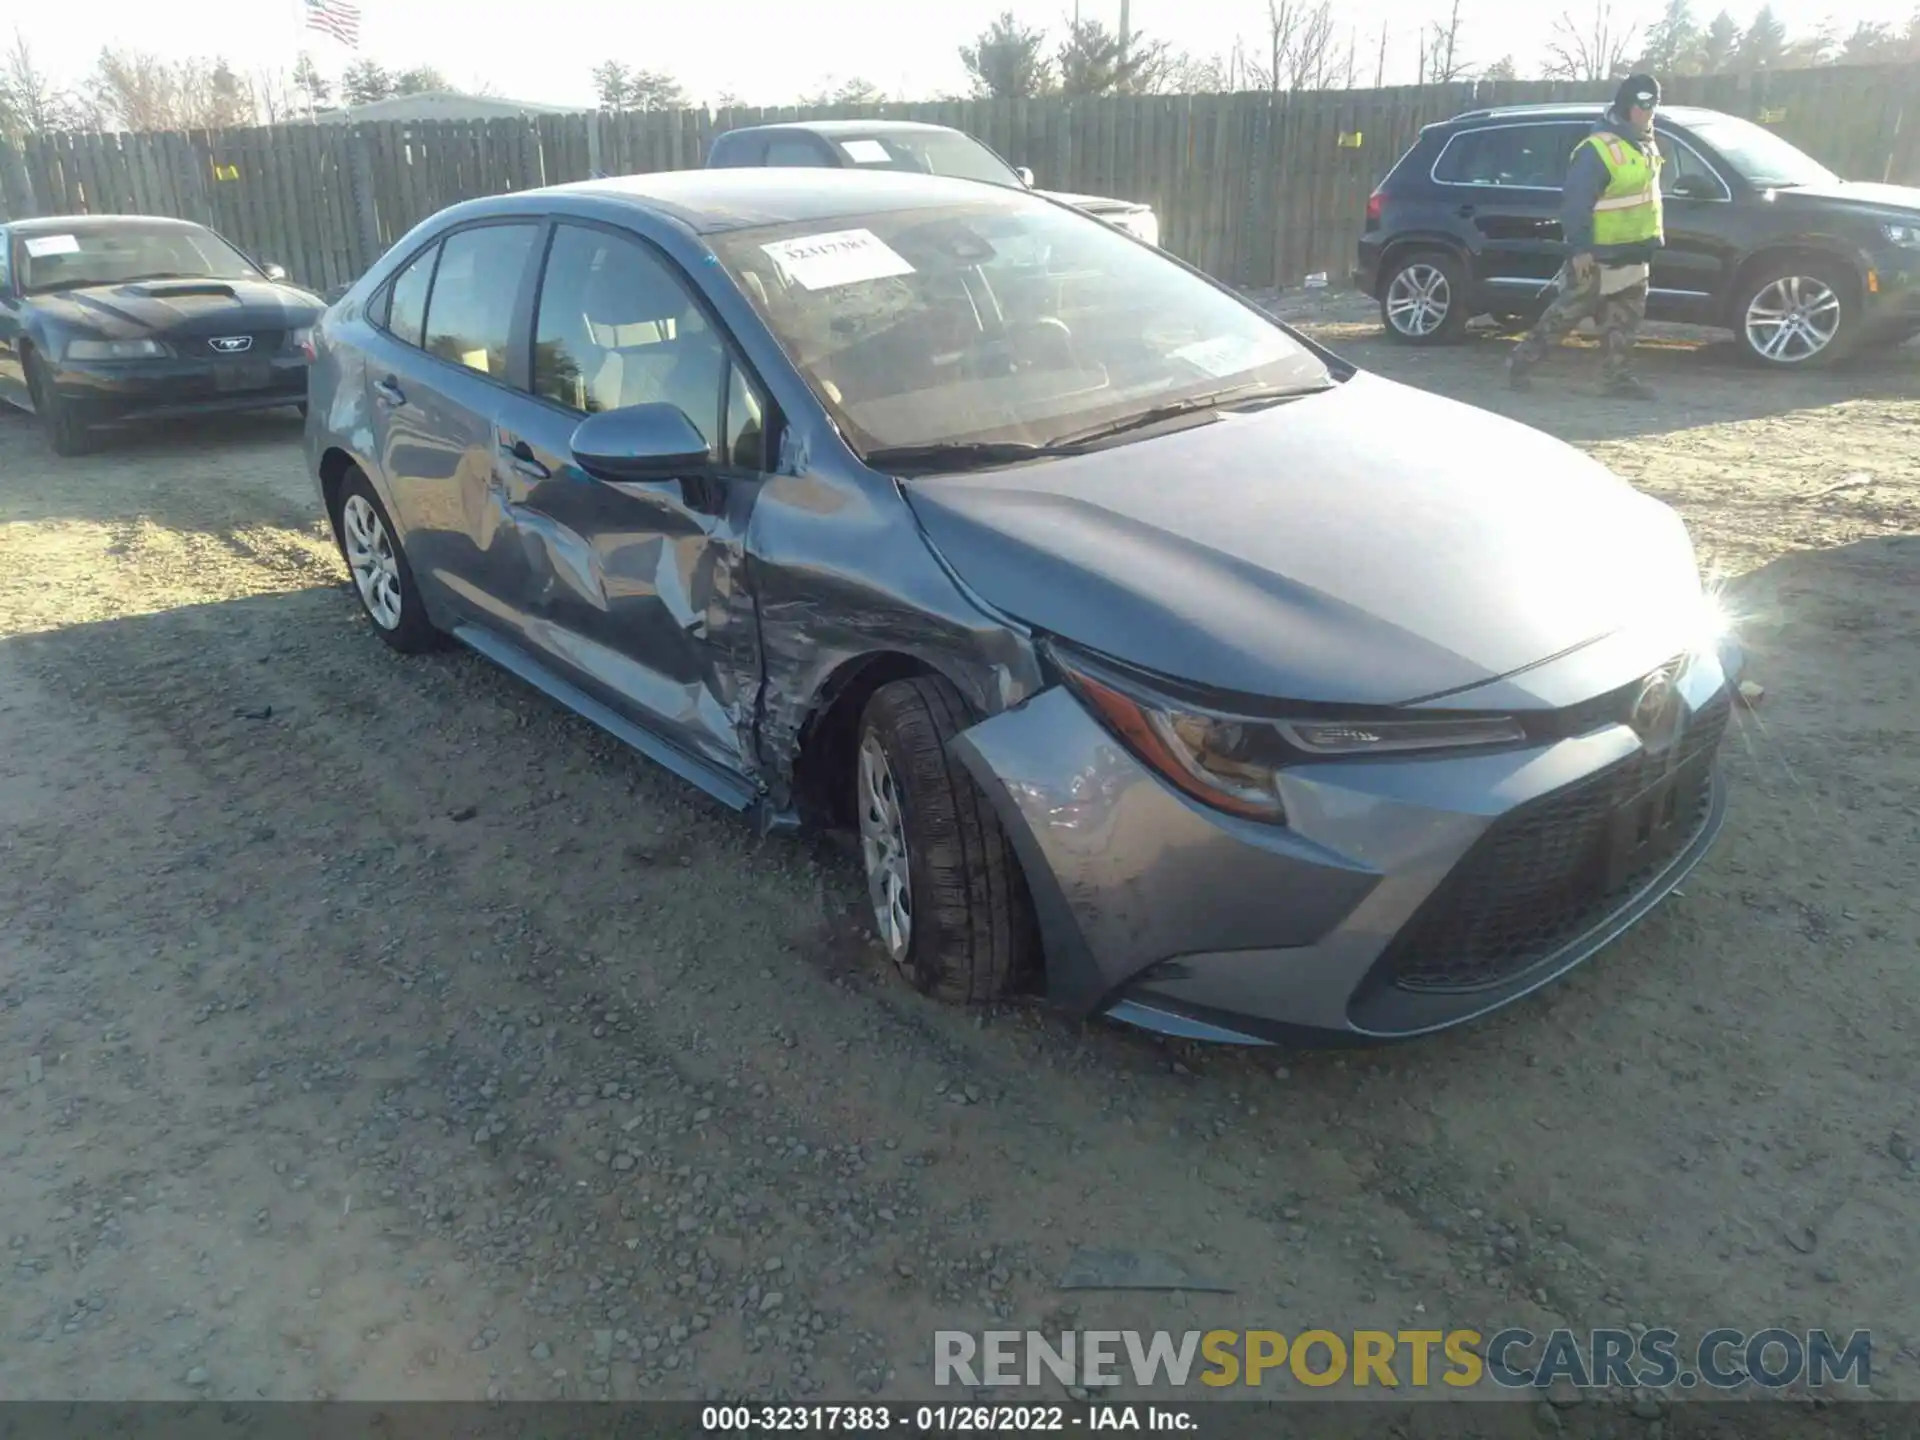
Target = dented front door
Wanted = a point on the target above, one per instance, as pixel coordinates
(634, 589)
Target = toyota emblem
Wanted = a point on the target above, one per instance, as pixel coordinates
(1657, 712)
(231, 344)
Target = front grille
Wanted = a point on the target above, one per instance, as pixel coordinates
(1544, 874)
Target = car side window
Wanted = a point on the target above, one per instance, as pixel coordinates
(616, 327)
(6, 262)
(1683, 164)
(406, 302)
(470, 311)
(1531, 157)
(794, 150)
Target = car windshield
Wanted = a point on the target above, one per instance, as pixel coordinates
(1004, 321)
(66, 261)
(934, 152)
(1761, 157)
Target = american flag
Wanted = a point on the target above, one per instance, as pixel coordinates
(338, 18)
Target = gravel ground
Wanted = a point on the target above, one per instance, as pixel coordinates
(371, 1029)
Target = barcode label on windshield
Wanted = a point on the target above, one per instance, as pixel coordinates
(843, 257)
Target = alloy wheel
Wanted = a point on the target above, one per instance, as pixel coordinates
(1793, 319)
(371, 558)
(883, 845)
(1418, 300)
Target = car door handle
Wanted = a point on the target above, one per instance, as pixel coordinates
(389, 390)
(1465, 212)
(525, 462)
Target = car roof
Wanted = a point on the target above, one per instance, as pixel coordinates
(82, 224)
(1588, 110)
(852, 127)
(710, 201)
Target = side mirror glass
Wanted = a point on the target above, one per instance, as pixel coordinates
(276, 272)
(641, 442)
(1026, 176)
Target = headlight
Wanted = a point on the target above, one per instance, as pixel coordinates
(1142, 225)
(114, 349)
(1233, 762)
(1906, 236)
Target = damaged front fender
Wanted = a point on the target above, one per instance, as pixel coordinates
(1125, 873)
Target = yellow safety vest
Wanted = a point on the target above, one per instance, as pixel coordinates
(1628, 213)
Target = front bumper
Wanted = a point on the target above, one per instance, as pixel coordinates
(1891, 302)
(113, 392)
(1404, 895)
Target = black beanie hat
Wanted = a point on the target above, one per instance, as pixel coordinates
(1640, 90)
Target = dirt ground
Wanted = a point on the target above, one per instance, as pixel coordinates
(371, 1029)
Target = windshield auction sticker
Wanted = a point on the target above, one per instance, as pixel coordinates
(39, 245)
(844, 257)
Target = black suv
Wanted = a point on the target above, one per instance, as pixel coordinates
(1762, 240)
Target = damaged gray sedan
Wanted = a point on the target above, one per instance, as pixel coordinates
(1163, 662)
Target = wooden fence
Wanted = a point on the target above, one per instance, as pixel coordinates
(1258, 189)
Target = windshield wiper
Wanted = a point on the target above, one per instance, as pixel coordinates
(949, 455)
(1233, 398)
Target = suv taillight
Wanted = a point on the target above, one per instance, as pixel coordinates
(1373, 208)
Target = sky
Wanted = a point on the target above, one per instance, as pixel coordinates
(767, 52)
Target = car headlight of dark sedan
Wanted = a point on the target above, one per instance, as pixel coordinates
(1905, 235)
(1233, 762)
(115, 350)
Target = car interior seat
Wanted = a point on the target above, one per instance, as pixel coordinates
(654, 346)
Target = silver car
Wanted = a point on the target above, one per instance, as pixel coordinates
(1161, 660)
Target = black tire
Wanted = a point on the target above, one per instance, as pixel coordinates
(65, 428)
(972, 937)
(1406, 269)
(1839, 282)
(411, 633)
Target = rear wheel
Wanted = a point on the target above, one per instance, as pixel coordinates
(1798, 314)
(63, 425)
(381, 576)
(950, 903)
(1424, 299)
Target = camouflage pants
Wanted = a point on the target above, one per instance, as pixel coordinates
(1617, 317)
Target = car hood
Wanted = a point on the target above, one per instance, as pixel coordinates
(1865, 195)
(181, 308)
(1095, 204)
(1371, 544)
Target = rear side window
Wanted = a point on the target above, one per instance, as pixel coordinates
(470, 315)
(407, 298)
(1521, 156)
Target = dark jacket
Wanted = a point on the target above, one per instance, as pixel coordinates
(1587, 180)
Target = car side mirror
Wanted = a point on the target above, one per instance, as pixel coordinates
(1695, 187)
(641, 442)
(276, 272)
(1026, 176)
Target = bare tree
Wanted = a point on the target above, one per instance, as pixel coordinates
(29, 100)
(1445, 61)
(1596, 48)
(1302, 51)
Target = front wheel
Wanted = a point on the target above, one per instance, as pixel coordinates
(63, 425)
(1424, 301)
(950, 903)
(1796, 315)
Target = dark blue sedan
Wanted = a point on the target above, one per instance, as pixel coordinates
(1160, 659)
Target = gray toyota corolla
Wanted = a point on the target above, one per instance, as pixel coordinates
(1162, 661)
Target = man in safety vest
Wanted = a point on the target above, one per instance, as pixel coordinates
(1610, 218)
